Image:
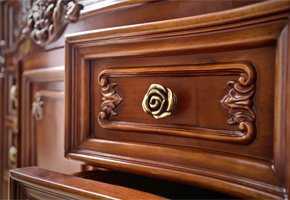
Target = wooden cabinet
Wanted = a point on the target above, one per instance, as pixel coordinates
(227, 71)
(180, 93)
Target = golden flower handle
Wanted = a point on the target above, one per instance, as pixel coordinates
(12, 154)
(159, 101)
(13, 93)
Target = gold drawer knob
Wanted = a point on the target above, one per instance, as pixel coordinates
(13, 93)
(159, 101)
(12, 154)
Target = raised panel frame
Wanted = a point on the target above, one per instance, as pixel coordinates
(245, 86)
(263, 178)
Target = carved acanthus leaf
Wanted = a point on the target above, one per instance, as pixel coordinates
(37, 107)
(47, 19)
(111, 99)
(240, 101)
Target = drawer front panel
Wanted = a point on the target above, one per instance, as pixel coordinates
(226, 71)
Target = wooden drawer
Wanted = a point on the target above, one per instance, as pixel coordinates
(37, 183)
(226, 73)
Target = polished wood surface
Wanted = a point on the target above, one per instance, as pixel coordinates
(42, 133)
(218, 118)
(37, 183)
(126, 60)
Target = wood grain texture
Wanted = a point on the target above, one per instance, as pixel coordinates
(238, 101)
(175, 34)
(248, 34)
(38, 183)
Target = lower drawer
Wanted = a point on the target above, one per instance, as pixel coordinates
(38, 183)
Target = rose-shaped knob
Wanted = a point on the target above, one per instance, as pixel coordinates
(12, 154)
(159, 101)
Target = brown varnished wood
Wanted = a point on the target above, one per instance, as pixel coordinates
(9, 138)
(41, 184)
(147, 36)
(251, 34)
(44, 59)
(42, 143)
(247, 85)
(187, 113)
(143, 11)
(282, 155)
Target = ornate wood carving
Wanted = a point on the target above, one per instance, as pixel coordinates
(37, 107)
(244, 86)
(111, 99)
(239, 102)
(47, 19)
(38, 103)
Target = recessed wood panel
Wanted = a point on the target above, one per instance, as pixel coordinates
(204, 97)
(237, 101)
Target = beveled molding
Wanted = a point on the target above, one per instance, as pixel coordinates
(261, 24)
(238, 101)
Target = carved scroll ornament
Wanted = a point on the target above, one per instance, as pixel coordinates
(239, 102)
(38, 103)
(47, 19)
(37, 107)
(110, 97)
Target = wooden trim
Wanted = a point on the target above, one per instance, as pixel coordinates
(227, 17)
(280, 104)
(52, 185)
(194, 176)
(50, 94)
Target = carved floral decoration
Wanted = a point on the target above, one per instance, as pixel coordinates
(240, 101)
(159, 101)
(47, 19)
(110, 97)
(37, 107)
